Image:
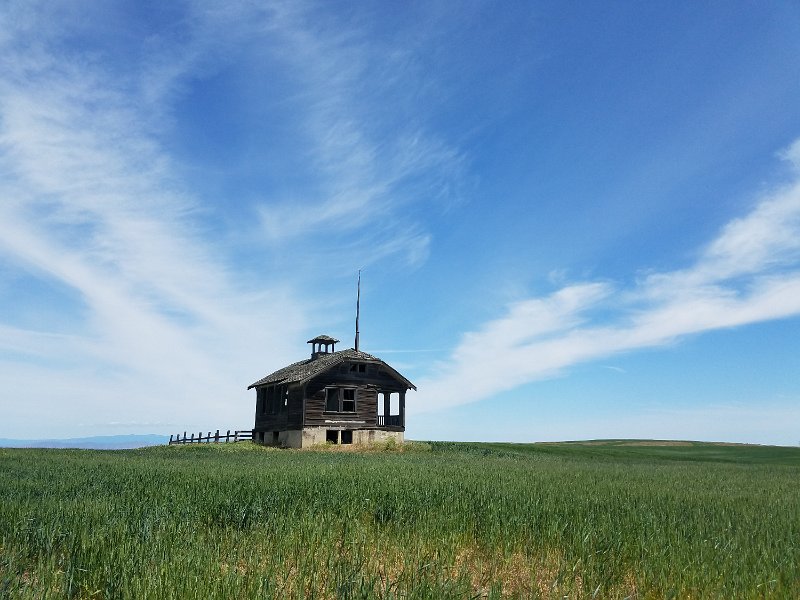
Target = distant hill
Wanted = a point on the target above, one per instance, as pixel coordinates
(99, 442)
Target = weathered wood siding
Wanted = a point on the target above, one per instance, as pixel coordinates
(295, 413)
(366, 414)
(288, 416)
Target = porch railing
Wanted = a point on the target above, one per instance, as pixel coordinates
(389, 421)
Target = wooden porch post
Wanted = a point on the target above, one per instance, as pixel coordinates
(386, 408)
(402, 409)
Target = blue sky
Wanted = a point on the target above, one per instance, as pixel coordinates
(574, 220)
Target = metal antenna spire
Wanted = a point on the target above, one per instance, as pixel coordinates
(358, 306)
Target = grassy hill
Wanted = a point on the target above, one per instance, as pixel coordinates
(602, 519)
(643, 451)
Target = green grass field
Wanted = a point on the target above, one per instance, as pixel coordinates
(604, 519)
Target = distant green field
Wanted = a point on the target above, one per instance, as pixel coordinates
(602, 519)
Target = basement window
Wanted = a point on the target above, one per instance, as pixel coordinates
(332, 436)
(347, 437)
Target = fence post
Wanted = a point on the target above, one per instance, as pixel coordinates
(228, 436)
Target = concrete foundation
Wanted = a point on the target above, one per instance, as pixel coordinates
(320, 435)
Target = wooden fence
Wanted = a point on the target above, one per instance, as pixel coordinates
(212, 438)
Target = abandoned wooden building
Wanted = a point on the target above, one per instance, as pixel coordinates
(344, 397)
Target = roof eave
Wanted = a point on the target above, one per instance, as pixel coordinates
(261, 382)
(338, 358)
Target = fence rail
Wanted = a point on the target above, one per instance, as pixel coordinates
(212, 438)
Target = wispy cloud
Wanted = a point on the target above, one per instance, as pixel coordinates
(370, 163)
(90, 201)
(93, 199)
(168, 327)
(749, 273)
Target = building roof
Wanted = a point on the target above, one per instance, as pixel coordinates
(324, 339)
(311, 367)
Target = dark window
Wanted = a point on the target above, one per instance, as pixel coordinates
(332, 399)
(362, 368)
(348, 400)
(272, 399)
(347, 437)
(340, 400)
(358, 368)
(332, 436)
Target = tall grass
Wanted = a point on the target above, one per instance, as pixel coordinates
(440, 521)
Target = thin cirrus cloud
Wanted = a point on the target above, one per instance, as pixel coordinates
(367, 161)
(749, 273)
(92, 204)
(157, 313)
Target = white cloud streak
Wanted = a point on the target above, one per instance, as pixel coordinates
(89, 200)
(89, 197)
(748, 274)
(370, 161)
(92, 199)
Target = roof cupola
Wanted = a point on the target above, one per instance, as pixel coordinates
(320, 342)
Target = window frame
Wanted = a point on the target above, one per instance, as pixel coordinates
(329, 395)
(344, 398)
(340, 399)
